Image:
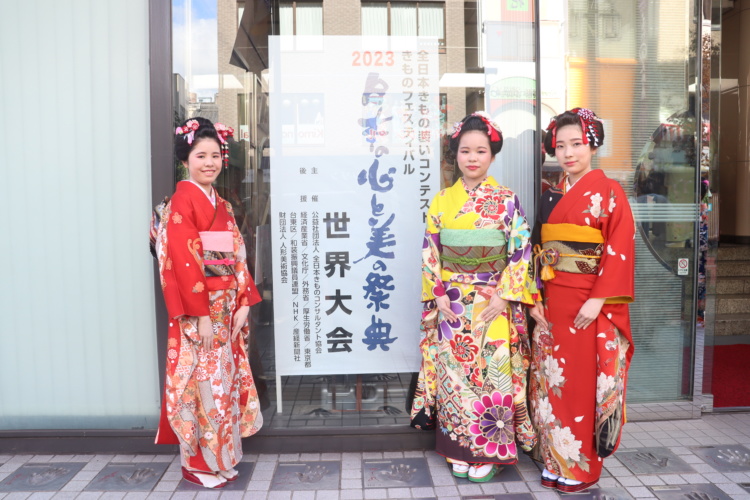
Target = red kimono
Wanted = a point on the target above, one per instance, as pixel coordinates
(578, 376)
(210, 400)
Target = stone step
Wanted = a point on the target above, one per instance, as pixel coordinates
(733, 285)
(733, 268)
(733, 304)
(732, 324)
(734, 252)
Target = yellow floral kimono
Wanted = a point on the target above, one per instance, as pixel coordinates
(473, 375)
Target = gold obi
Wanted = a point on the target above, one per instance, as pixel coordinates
(569, 248)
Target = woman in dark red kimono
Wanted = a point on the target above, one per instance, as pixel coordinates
(582, 345)
(210, 400)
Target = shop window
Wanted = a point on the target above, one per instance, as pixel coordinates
(404, 19)
(301, 18)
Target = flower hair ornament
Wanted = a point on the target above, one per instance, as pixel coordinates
(224, 133)
(493, 129)
(188, 130)
(588, 119)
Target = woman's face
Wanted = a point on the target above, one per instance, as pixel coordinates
(474, 157)
(573, 155)
(204, 162)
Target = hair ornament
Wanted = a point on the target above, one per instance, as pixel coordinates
(588, 118)
(493, 129)
(456, 129)
(224, 132)
(188, 130)
(552, 128)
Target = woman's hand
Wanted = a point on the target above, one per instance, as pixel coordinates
(494, 309)
(205, 332)
(588, 313)
(240, 318)
(537, 312)
(444, 306)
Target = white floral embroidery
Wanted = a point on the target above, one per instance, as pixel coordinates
(565, 443)
(572, 330)
(553, 372)
(610, 251)
(622, 256)
(578, 419)
(604, 384)
(587, 221)
(612, 204)
(545, 411)
(596, 205)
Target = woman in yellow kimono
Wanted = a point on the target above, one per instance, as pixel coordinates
(475, 346)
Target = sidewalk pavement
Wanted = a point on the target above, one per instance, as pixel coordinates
(705, 459)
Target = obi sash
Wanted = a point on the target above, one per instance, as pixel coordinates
(218, 253)
(472, 251)
(569, 248)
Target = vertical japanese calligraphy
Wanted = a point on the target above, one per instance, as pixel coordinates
(348, 209)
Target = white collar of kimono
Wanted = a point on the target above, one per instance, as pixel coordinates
(211, 197)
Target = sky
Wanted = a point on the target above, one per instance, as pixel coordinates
(202, 52)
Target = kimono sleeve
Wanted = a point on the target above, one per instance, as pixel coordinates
(185, 291)
(616, 280)
(247, 293)
(514, 280)
(432, 284)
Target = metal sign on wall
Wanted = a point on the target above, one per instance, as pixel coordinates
(354, 165)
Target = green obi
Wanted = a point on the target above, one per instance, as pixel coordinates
(473, 250)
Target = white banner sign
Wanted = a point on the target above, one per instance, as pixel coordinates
(354, 164)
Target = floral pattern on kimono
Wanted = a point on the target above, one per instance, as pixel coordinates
(210, 401)
(578, 376)
(474, 374)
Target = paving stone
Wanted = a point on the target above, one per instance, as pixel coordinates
(303, 476)
(376, 493)
(735, 458)
(327, 494)
(351, 494)
(689, 491)
(40, 477)
(141, 476)
(653, 461)
(396, 473)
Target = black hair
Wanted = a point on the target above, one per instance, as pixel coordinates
(571, 118)
(206, 130)
(474, 122)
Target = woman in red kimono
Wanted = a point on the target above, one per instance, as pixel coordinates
(210, 400)
(582, 345)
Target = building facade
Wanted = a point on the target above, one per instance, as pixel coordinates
(85, 326)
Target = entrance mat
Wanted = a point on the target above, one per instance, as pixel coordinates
(397, 473)
(306, 476)
(128, 477)
(244, 468)
(41, 477)
(687, 491)
(653, 461)
(730, 374)
(725, 458)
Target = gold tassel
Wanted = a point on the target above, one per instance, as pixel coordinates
(548, 273)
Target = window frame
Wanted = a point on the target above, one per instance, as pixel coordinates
(416, 3)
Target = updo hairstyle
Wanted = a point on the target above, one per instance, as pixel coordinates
(575, 117)
(476, 122)
(206, 130)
